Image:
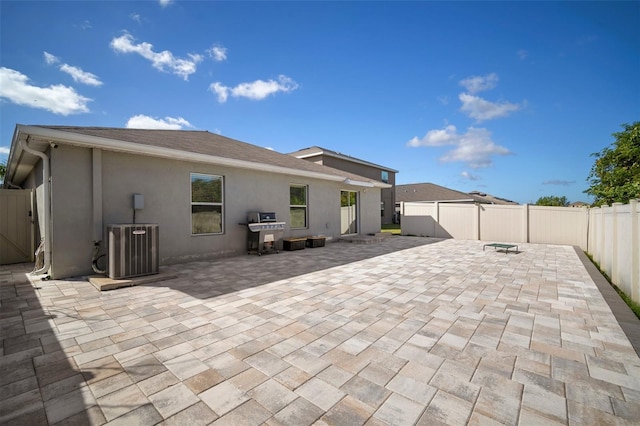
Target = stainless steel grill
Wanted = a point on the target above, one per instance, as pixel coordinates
(264, 233)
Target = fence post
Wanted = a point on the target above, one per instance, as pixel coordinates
(602, 235)
(615, 275)
(525, 225)
(436, 207)
(635, 252)
(590, 227)
(477, 221)
(586, 219)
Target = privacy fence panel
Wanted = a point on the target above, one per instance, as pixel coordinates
(502, 223)
(418, 219)
(558, 225)
(458, 221)
(16, 227)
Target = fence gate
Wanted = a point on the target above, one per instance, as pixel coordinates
(16, 230)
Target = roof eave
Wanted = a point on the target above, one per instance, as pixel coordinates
(88, 141)
(14, 154)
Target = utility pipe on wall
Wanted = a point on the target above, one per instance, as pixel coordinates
(47, 205)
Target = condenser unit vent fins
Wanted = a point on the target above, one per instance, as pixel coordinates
(133, 250)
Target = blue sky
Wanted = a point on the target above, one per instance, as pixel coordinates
(508, 98)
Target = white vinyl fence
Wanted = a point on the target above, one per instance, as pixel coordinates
(610, 234)
(519, 224)
(614, 244)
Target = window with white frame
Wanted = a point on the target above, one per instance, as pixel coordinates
(384, 176)
(298, 206)
(206, 204)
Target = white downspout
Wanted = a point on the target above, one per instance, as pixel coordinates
(47, 206)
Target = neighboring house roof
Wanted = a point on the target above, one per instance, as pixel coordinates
(432, 192)
(316, 150)
(187, 145)
(490, 199)
(579, 204)
(429, 192)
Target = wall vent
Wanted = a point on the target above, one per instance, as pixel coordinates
(133, 250)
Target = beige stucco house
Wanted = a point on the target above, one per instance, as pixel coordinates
(360, 167)
(85, 178)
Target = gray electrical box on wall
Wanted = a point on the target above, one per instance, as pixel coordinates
(138, 201)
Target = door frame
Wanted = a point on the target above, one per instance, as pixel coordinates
(356, 212)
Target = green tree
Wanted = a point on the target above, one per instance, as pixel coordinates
(552, 200)
(615, 175)
(3, 170)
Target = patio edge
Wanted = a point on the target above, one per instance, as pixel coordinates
(624, 315)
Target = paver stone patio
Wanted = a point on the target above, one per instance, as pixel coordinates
(406, 331)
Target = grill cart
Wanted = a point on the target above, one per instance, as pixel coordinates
(264, 233)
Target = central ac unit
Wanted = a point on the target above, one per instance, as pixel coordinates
(133, 250)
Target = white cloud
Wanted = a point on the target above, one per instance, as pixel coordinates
(142, 121)
(474, 148)
(4, 150)
(59, 99)
(50, 59)
(437, 137)
(221, 91)
(78, 75)
(469, 176)
(165, 3)
(163, 61)
(256, 90)
(135, 17)
(218, 53)
(481, 109)
(477, 84)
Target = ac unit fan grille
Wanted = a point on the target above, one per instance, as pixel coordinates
(133, 250)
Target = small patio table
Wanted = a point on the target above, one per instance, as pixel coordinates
(505, 247)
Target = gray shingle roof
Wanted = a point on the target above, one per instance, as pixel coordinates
(428, 192)
(317, 150)
(433, 192)
(490, 199)
(206, 143)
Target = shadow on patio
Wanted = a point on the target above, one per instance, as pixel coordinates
(206, 279)
(39, 381)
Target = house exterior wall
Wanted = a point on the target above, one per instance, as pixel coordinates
(166, 187)
(387, 195)
(71, 237)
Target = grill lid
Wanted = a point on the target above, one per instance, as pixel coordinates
(261, 217)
